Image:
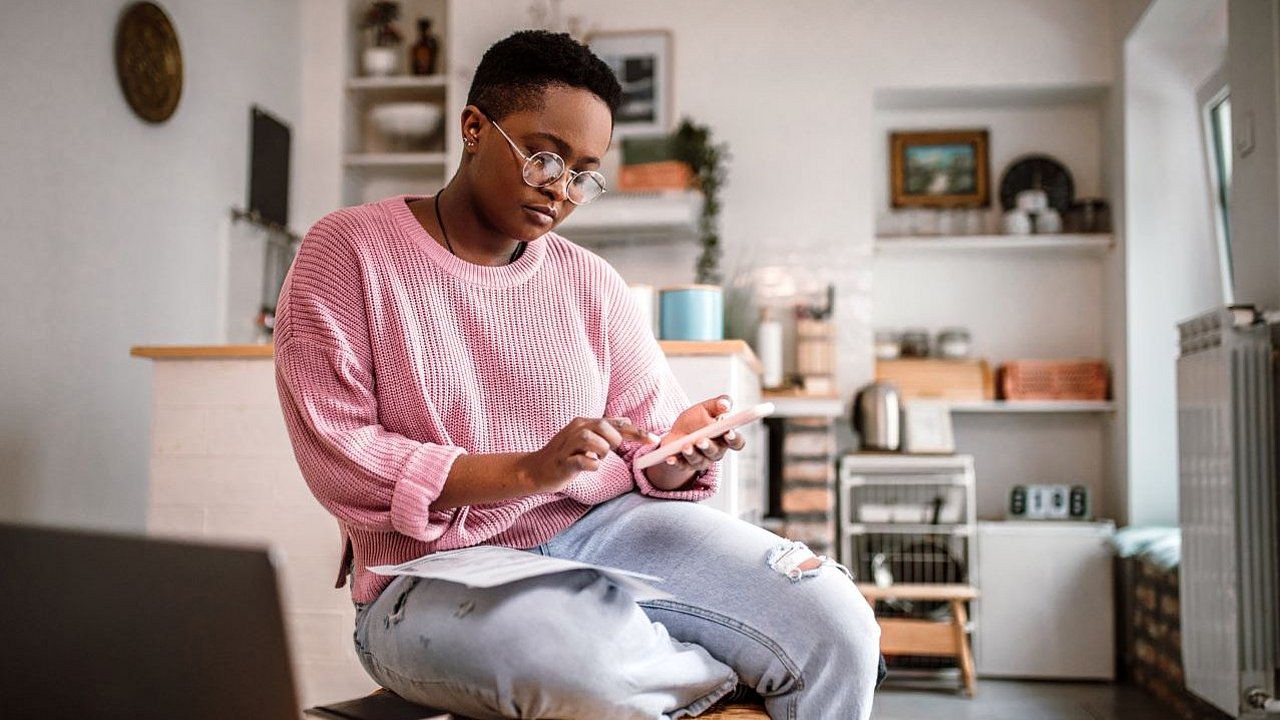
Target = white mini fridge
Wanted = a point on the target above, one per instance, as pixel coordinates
(1047, 604)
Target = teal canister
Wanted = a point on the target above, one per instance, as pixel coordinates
(691, 312)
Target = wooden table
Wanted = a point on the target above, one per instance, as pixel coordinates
(910, 636)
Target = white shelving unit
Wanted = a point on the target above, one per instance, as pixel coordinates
(372, 166)
(395, 160)
(1020, 296)
(621, 218)
(1033, 406)
(388, 84)
(1091, 243)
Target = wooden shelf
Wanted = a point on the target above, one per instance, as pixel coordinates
(397, 82)
(1091, 243)
(1034, 406)
(395, 160)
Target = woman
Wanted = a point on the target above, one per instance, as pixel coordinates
(454, 374)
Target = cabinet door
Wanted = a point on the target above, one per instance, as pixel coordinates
(1046, 609)
(743, 492)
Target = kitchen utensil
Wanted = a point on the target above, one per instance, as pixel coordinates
(691, 312)
(769, 348)
(1017, 222)
(1088, 215)
(1032, 200)
(915, 343)
(888, 344)
(406, 124)
(1037, 172)
(1048, 221)
(877, 416)
(953, 343)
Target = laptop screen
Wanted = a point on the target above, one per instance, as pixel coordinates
(113, 626)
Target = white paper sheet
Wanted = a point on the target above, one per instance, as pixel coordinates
(489, 566)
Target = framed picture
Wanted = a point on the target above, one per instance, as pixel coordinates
(946, 168)
(642, 61)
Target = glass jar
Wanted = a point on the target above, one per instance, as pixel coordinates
(915, 343)
(888, 344)
(954, 343)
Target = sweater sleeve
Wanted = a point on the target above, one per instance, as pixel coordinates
(366, 476)
(643, 387)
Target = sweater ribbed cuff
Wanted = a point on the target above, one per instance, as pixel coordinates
(418, 486)
(699, 487)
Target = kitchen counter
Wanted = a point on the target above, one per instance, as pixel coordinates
(672, 348)
(223, 470)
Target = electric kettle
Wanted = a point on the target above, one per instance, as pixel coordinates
(877, 416)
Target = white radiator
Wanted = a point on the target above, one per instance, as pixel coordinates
(1230, 594)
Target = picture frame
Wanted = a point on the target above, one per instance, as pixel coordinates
(641, 60)
(939, 169)
(927, 429)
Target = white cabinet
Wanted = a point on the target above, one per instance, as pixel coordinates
(1046, 609)
(706, 370)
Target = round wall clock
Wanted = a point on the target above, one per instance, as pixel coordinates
(1037, 172)
(149, 61)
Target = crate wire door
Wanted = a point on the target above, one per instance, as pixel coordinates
(908, 519)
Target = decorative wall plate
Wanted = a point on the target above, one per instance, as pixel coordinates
(149, 61)
(1037, 172)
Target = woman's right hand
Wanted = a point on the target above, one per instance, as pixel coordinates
(578, 447)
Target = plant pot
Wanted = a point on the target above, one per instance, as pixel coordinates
(381, 60)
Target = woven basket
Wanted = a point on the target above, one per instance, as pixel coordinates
(1054, 380)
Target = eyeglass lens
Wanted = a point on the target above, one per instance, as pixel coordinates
(543, 168)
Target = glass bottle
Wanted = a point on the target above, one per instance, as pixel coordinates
(425, 52)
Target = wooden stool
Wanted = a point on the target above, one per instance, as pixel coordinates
(910, 636)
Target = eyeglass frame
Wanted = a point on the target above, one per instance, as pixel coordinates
(573, 174)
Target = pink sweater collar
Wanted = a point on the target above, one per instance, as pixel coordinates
(501, 276)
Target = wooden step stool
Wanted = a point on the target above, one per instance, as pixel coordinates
(937, 638)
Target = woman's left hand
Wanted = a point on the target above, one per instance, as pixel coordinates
(696, 457)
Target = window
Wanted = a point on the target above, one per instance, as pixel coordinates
(1215, 106)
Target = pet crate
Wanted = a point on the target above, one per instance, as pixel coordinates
(908, 519)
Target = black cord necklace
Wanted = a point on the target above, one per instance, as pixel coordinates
(515, 255)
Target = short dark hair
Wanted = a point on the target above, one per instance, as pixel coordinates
(514, 72)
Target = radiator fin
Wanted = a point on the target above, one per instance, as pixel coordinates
(1228, 508)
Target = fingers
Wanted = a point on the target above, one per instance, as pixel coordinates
(705, 452)
(628, 431)
(718, 405)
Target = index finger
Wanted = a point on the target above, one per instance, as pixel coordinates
(628, 430)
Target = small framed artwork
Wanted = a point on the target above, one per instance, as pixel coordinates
(641, 59)
(926, 428)
(942, 169)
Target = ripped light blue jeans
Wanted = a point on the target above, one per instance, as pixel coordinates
(748, 609)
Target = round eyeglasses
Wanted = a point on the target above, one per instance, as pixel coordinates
(545, 168)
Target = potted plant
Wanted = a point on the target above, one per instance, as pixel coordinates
(707, 159)
(382, 56)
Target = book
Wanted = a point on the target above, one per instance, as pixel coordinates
(380, 705)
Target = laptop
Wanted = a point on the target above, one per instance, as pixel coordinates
(97, 625)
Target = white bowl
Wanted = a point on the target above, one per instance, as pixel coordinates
(406, 121)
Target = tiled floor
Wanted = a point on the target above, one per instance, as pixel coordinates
(931, 698)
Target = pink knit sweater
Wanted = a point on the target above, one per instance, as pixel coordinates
(393, 357)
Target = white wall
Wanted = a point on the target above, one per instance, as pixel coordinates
(789, 88)
(1255, 191)
(113, 234)
(1170, 251)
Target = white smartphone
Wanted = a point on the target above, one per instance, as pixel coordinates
(715, 429)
